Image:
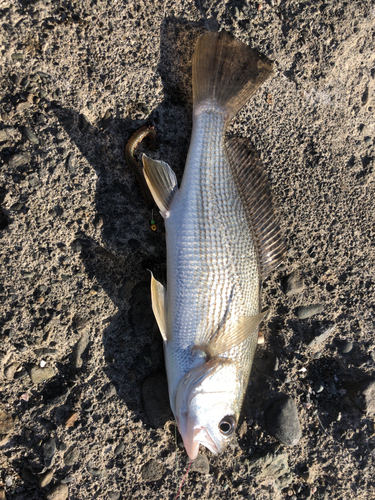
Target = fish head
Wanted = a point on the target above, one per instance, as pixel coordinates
(207, 406)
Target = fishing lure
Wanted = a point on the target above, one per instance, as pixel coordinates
(130, 148)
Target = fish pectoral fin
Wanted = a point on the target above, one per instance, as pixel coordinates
(161, 181)
(231, 336)
(158, 299)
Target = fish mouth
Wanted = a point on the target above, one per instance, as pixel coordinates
(194, 436)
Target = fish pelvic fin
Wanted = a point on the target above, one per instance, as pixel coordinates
(161, 181)
(226, 71)
(159, 306)
(255, 193)
(228, 337)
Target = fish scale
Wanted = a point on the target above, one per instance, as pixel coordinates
(212, 249)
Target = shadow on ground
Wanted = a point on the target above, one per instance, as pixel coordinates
(133, 347)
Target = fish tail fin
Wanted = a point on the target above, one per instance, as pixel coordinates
(226, 71)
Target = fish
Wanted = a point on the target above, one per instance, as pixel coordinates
(223, 239)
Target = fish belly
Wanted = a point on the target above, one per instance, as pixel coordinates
(212, 267)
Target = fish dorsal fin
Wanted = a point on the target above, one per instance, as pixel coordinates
(161, 181)
(226, 71)
(255, 193)
(159, 306)
(229, 336)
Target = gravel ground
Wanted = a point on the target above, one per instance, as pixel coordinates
(83, 407)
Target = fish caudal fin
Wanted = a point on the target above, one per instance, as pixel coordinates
(226, 71)
(255, 193)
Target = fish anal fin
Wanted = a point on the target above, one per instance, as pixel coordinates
(158, 298)
(161, 181)
(230, 336)
(255, 193)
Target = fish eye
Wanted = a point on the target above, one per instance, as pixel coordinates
(227, 425)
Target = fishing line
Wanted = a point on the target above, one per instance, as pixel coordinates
(175, 439)
(185, 476)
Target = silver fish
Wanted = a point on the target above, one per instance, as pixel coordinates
(222, 241)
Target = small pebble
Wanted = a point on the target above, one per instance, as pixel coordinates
(7, 134)
(332, 388)
(304, 312)
(71, 456)
(276, 365)
(365, 397)
(152, 471)
(49, 450)
(68, 479)
(29, 134)
(305, 494)
(72, 420)
(34, 180)
(98, 221)
(318, 386)
(119, 449)
(269, 466)
(44, 351)
(39, 375)
(17, 207)
(95, 471)
(15, 79)
(10, 370)
(28, 475)
(200, 464)
(282, 422)
(78, 350)
(305, 473)
(19, 159)
(322, 334)
(345, 346)
(45, 478)
(83, 123)
(76, 246)
(114, 495)
(69, 163)
(59, 492)
(6, 423)
(293, 284)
